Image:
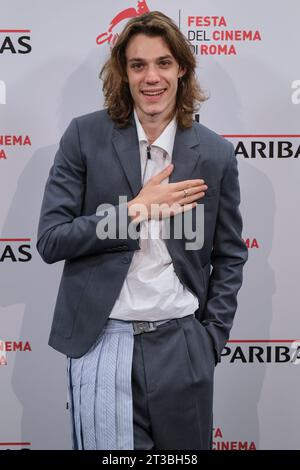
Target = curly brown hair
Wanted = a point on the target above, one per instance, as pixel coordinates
(118, 99)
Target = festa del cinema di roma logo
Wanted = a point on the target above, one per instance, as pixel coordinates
(109, 36)
(200, 39)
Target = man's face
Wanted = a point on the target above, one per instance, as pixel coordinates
(152, 73)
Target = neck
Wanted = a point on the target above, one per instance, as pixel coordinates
(153, 125)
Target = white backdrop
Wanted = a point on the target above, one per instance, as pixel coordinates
(49, 64)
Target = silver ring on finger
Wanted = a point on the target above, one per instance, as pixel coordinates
(185, 193)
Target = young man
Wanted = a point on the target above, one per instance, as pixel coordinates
(141, 316)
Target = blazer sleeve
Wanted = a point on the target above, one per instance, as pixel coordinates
(228, 257)
(63, 232)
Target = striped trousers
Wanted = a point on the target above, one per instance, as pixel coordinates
(100, 395)
(145, 391)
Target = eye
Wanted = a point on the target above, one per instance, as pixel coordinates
(136, 66)
(165, 63)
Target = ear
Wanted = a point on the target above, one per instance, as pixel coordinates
(181, 71)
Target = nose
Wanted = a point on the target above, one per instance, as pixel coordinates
(152, 75)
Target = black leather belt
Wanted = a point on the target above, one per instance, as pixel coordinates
(148, 326)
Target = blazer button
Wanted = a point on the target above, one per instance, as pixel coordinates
(125, 259)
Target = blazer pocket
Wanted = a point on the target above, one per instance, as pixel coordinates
(76, 264)
(208, 340)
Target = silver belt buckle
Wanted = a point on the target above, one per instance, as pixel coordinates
(143, 327)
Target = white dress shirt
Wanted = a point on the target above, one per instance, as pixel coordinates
(152, 290)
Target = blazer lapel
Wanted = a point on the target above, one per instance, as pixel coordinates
(126, 144)
(185, 154)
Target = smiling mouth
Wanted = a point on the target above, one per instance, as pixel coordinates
(153, 93)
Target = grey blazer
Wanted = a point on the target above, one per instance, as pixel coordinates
(96, 163)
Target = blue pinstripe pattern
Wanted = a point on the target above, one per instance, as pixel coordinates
(100, 393)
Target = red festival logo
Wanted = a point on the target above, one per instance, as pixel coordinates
(111, 38)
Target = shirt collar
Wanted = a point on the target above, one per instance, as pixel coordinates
(166, 139)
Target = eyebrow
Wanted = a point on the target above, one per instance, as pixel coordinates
(139, 59)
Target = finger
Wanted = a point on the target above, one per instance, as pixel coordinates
(186, 184)
(192, 198)
(184, 193)
(188, 207)
(175, 209)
